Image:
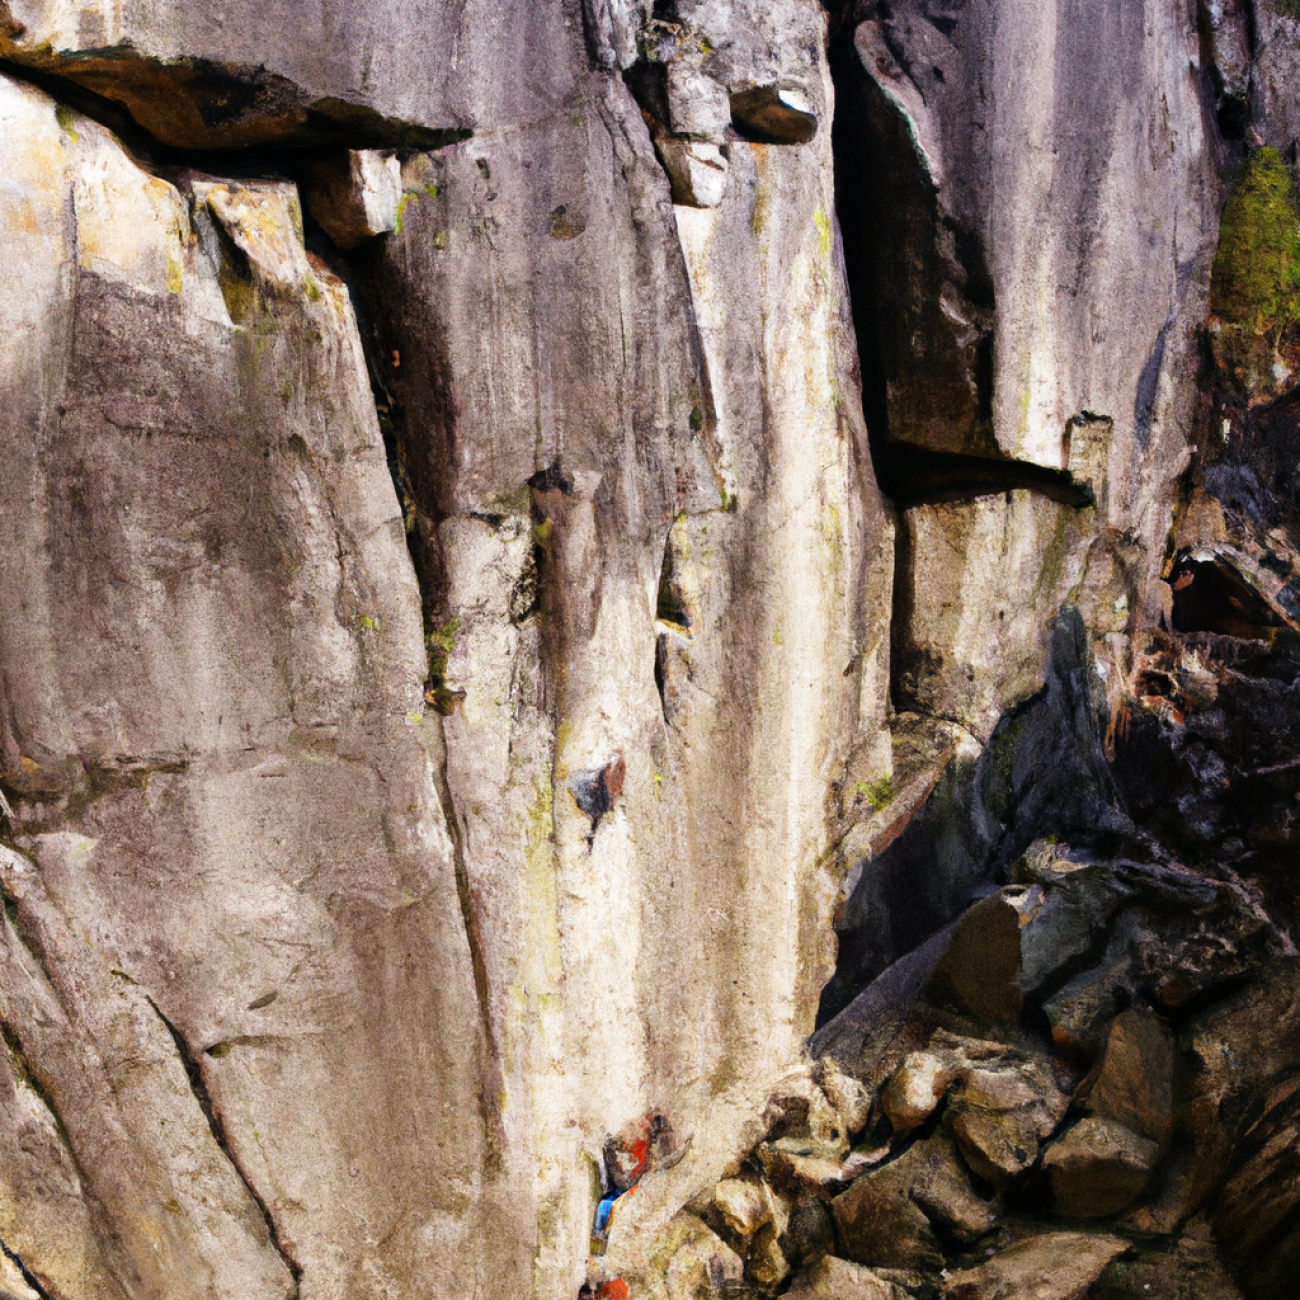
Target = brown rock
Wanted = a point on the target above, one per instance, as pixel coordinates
(850, 1097)
(980, 972)
(940, 1185)
(1054, 1266)
(810, 1233)
(878, 1223)
(356, 196)
(838, 1279)
(917, 1088)
(1098, 1168)
(766, 1265)
(795, 1170)
(700, 1263)
(999, 1115)
(1189, 1269)
(1257, 1211)
(1136, 1083)
(744, 1205)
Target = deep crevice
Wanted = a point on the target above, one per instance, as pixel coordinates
(27, 1275)
(194, 1073)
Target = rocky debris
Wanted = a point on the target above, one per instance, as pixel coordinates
(700, 1263)
(1098, 1168)
(356, 196)
(999, 1115)
(878, 1224)
(777, 114)
(916, 1089)
(1187, 1268)
(980, 972)
(838, 1279)
(766, 1265)
(1053, 1266)
(744, 1205)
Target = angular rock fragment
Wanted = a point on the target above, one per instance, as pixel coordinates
(1098, 1168)
(916, 1089)
(1136, 1083)
(698, 107)
(878, 1224)
(980, 972)
(1053, 1266)
(850, 1097)
(999, 1115)
(356, 196)
(766, 1265)
(696, 170)
(1186, 1269)
(701, 1263)
(779, 114)
(832, 1278)
(744, 1205)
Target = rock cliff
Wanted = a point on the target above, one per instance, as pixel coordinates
(648, 649)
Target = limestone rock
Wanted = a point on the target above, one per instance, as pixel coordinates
(850, 1097)
(744, 1204)
(838, 1279)
(1098, 1168)
(1053, 1266)
(702, 1265)
(766, 1265)
(698, 106)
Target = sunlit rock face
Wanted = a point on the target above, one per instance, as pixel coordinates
(420, 735)
(547, 549)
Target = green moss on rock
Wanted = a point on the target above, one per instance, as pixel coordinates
(1255, 283)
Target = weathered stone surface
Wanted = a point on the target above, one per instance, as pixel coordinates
(744, 1204)
(701, 1265)
(974, 354)
(1098, 1168)
(999, 1116)
(1136, 1084)
(211, 646)
(1054, 1266)
(877, 1222)
(1187, 1269)
(979, 582)
(838, 1279)
(916, 1089)
(356, 196)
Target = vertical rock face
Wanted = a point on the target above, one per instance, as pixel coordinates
(388, 841)
(457, 665)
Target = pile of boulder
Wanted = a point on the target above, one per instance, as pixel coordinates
(1087, 1086)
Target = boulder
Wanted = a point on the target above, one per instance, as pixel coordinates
(702, 1265)
(698, 106)
(939, 1183)
(744, 1205)
(916, 1089)
(998, 1115)
(877, 1223)
(850, 1097)
(832, 1278)
(766, 1265)
(1186, 1269)
(1136, 1084)
(696, 170)
(1053, 1266)
(810, 1232)
(1098, 1168)
(356, 196)
(980, 972)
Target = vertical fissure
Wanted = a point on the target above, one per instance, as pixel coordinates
(194, 1073)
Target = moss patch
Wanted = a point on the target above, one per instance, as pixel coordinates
(1256, 278)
